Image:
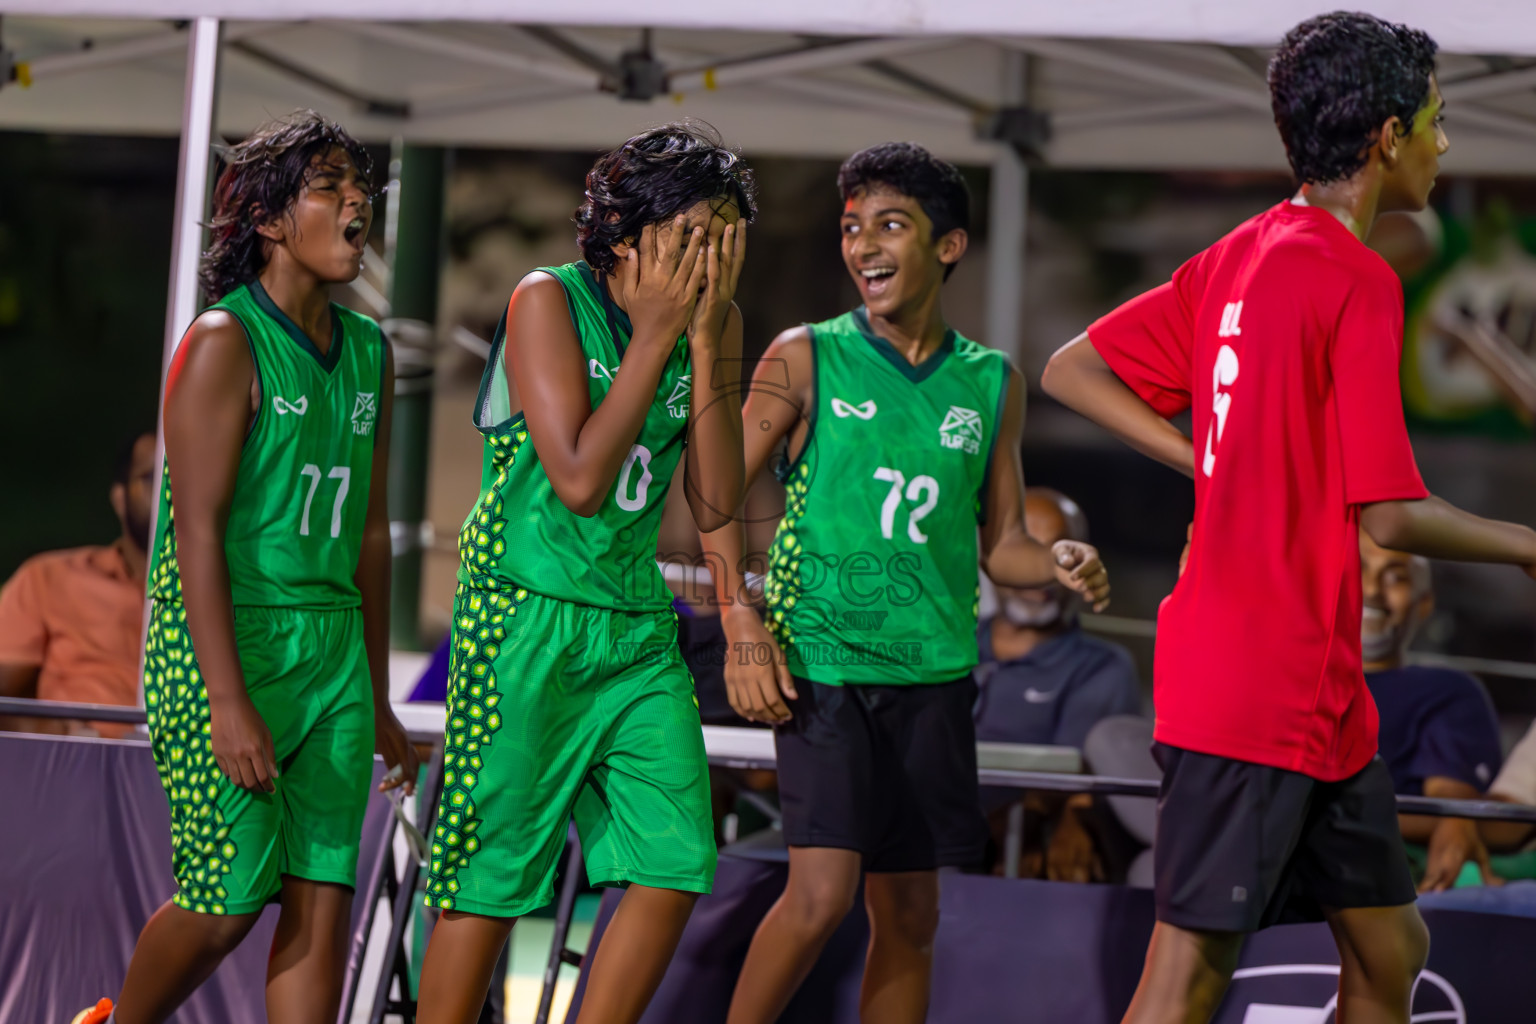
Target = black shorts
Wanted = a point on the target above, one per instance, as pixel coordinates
(889, 771)
(1242, 846)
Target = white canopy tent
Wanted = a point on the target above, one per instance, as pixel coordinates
(1175, 84)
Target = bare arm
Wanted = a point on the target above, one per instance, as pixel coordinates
(778, 402)
(714, 417)
(374, 562)
(581, 448)
(1452, 841)
(1437, 529)
(207, 410)
(1010, 556)
(1079, 378)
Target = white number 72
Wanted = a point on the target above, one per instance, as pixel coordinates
(919, 486)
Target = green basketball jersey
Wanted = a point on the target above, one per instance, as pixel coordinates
(301, 493)
(520, 535)
(873, 572)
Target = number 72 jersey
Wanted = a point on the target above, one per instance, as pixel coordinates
(873, 572)
(300, 502)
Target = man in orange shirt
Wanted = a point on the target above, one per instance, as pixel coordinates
(71, 621)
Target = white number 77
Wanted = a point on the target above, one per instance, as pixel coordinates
(342, 473)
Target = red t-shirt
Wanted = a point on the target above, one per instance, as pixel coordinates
(1285, 339)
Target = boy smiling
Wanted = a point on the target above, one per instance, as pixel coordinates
(903, 438)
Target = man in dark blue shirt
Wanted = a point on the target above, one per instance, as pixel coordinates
(1043, 680)
(1439, 734)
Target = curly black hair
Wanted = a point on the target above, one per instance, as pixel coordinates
(655, 176)
(911, 170)
(262, 177)
(1333, 83)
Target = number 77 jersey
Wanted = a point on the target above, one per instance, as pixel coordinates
(873, 572)
(297, 515)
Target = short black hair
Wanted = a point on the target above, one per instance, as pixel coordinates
(1336, 79)
(262, 177)
(655, 176)
(905, 167)
(122, 459)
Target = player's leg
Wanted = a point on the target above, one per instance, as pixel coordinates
(644, 813)
(1185, 975)
(521, 734)
(177, 951)
(633, 956)
(319, 705)
(903, 919)
(456, 971)
(1354, 865)
(224, 840)
(823, 882)
(925, 757)
(829, 793)
(1382, 950)
(309, 952)
(1227, 852)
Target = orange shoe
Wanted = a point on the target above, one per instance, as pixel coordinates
(97, 1014)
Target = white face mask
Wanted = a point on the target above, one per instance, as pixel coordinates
(1032, 614)
(1378, 641)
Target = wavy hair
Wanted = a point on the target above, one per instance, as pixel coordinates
(655, 176)
(262, 177)
(1335, 80)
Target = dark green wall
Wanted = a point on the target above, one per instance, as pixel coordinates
(85, 234)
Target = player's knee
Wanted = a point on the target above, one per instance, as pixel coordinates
(819, 903)
(223, 933)
(912, 922)
(1415, 947)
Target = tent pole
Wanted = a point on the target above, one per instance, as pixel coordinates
(192, 172)
(1009, 201)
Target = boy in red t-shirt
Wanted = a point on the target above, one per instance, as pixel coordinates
(1285, 338)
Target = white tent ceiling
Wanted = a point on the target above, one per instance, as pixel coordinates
(1468, 26)
(1113, 103)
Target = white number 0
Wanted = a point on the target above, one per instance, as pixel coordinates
(342, 473)
(641, 454)
(914, 490)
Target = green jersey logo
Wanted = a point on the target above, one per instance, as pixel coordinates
(364, 411)
(677, 402)
(961, 429)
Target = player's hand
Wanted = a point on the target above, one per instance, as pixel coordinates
(757, 692)
(1078, 568)
(669, 270)
(723, 261)
(1072, 856)
(392, 744)
(1189, 540)
(1454, 842)
(242, 745)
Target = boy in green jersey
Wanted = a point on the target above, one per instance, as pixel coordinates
(903, 438)
(266, 668)
(567, 693)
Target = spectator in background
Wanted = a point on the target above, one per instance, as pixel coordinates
(1043, 680)
(1439, 735)
(71, 621)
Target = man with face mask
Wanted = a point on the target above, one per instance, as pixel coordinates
(1043, 680)
(1439, 735)
(70, 620)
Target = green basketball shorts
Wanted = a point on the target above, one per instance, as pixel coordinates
(558, 709)
(307, 674)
